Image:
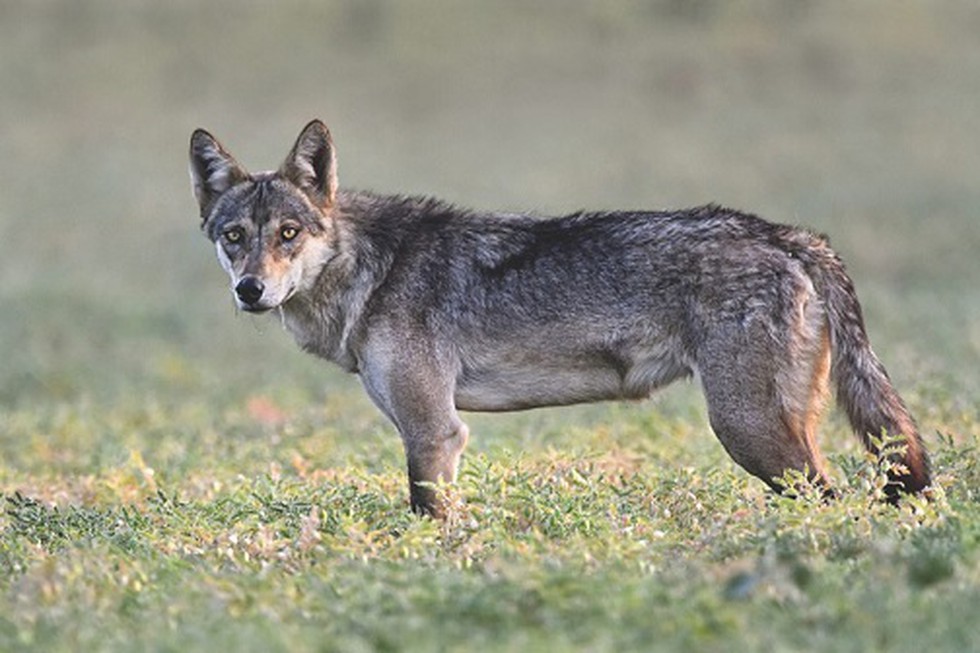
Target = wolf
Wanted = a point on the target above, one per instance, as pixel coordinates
(440, 309)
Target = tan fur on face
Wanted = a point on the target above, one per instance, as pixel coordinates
(283, 269)
(285, 273)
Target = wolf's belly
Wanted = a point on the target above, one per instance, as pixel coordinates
(534, 387)
(521, 384)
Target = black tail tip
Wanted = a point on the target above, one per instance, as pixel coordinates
(916, 483)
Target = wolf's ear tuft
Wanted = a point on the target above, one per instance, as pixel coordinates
(312, 165)
(213, 170)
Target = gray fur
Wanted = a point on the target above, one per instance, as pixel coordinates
(438, 308)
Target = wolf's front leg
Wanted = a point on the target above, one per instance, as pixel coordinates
(433, 458)
(416, 392)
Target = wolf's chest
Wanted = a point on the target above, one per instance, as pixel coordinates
(320, 334)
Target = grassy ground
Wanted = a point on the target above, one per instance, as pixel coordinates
(174, 477)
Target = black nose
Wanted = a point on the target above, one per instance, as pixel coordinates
(249, 290)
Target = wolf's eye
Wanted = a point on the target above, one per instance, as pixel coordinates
(288, 233)
(233, 236)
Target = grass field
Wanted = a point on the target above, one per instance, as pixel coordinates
(178, 478)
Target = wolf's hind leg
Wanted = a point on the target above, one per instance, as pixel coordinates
(765, 397)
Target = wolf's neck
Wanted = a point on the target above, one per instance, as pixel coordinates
(326, 320)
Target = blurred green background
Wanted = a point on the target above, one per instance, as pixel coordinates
(858, 119)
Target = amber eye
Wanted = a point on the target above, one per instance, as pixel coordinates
(233, 236)
(288, 233)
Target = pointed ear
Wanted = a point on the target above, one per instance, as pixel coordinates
(312, 165)
(213, 170)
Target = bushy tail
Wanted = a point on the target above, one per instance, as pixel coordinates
(864, 390)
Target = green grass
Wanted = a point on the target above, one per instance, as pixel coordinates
(182, 530)
(177, 478)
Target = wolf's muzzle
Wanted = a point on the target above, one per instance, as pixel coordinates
(249, 290)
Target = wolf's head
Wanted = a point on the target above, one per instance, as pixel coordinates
(274, 231)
